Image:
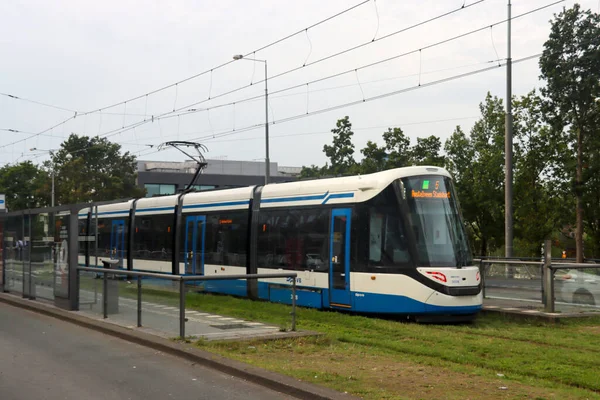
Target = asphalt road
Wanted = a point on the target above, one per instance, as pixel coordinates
(45, 358)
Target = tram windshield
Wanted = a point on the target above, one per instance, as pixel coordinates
(433, 214)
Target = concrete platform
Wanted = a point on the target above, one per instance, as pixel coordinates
(163, 320)
(534, 309)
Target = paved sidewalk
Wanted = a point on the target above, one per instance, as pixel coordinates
(275, 381)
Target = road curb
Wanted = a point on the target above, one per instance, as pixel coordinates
(271, 380)
(515, 312)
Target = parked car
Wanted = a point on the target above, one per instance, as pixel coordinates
(578, 287)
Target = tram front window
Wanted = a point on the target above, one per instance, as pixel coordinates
(435, 220)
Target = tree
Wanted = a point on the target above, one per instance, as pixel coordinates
(539, 205)
(25, 185)
(570, 64)
(477, 162)
(591, 196)
(341, 152)
(427, 152)
(398, 148)
(311, 172)
(374, 158)
(93, 169)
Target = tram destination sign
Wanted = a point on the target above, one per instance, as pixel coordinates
(430, 190)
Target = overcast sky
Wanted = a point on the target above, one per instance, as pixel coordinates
(83, 56)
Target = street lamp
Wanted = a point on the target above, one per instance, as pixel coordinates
(267, 160)
(51, 171)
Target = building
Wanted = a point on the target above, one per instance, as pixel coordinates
(161, 178)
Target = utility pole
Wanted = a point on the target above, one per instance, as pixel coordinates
(52, 205)
(267, 159)
(508, 153)
(52, 165)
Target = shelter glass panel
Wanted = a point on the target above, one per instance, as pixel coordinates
(13, 253)
(61, 258)
(43, 249)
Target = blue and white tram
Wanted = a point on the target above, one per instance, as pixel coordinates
(388, 242)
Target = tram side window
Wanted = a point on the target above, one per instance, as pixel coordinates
(294, 239)
(226, 237)
(82, 225)
(153, 237)
(379, 239)
(387, 244)
(105, 230)
(104, 225)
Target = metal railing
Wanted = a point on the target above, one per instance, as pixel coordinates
(551, 274)
(484, 265)
(544, 272)
(182, 279)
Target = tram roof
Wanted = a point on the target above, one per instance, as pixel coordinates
(348, 189)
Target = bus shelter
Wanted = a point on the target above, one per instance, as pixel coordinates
(39, 250)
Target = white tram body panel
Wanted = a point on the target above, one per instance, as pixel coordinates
(210, 221)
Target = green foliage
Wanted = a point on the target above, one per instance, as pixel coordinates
(539, 207)
(341, 152)
(398, 147)
(93, 169)
(426, 152)
(476, 163)
(556, 150)
(375, 158)
(395, 153)
(25, 185)
(559, 360)
(311, 172)
(570, 65)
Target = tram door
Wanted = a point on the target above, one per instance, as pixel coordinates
(195, 229)
(117, 241)
(339, 258)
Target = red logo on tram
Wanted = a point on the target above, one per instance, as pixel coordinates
(437, 275)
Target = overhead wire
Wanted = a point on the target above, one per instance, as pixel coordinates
(209, 138)
(12, 96)
(231, 61)
(39, 133)
(138, 123)
(25, 132)
(305, 93)
(332, 56)
(339, 53)
(351, 70)
(353, 128)
(258, 97)
(199, 74)
(384, 95)
(166, 114)
(280, 74)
